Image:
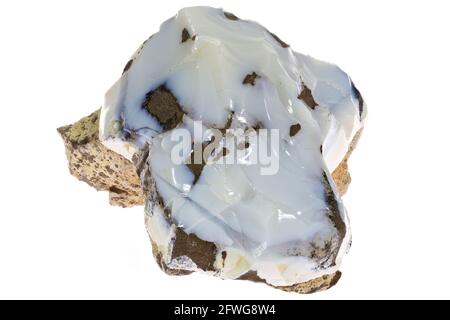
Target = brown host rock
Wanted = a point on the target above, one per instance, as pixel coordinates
(93, 163)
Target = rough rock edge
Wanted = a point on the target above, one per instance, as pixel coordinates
(90, 161)
(315, 285)
(341, 175)
(105, 170)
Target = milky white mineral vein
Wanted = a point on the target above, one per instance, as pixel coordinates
(287, 229)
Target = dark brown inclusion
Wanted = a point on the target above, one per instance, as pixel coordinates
(230, 16)
(250, 78)
(281, 42)
(295, 128)
(306, 97)
(202, 253)
(196, 168)
(164, 106)
(127, 66)
(360, 99)
(185, 36)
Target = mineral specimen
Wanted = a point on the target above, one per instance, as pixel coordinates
(253, 193)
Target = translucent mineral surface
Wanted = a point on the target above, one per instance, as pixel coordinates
(287, 226)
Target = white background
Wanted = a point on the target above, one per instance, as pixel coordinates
(59, 238)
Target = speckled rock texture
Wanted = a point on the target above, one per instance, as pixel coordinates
(93, 163)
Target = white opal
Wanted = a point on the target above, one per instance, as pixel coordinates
(258, 219)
